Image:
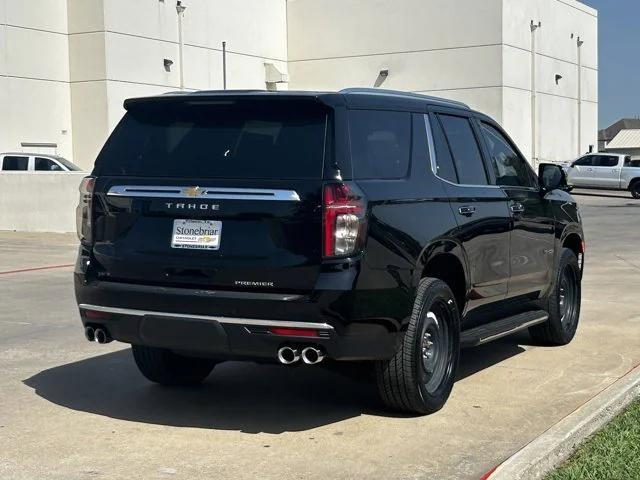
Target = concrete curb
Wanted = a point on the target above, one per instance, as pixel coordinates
(545, 453)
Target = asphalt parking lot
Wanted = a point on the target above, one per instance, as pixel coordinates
(71, 409)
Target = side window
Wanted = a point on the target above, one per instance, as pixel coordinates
(510, 168)
(380, 143)
(584, 161)
(14, 163)
(46, 164)
(464, 149)
(444, 161)
(605, 161)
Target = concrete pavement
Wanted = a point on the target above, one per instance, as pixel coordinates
(75, 410)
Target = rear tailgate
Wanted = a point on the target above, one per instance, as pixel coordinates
(216, 195)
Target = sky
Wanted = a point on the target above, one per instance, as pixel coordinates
(619, 65)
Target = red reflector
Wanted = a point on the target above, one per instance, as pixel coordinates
(584, 246)
(95, 314)
(294, 332)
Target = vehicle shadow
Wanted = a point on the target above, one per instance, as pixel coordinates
(474, 360)
(238, 396)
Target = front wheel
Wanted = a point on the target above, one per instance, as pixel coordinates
(419, 378)
(564, 304)
(167, 368)
(635, 190)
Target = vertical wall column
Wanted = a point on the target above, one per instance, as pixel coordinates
(534, 100)
(579, 43)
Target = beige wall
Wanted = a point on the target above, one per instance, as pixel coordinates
(39, 201)
(557, 104)
(478, 52)
(445, 48)
(34, 75)
(71, 63)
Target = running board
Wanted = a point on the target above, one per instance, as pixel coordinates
(501, 328)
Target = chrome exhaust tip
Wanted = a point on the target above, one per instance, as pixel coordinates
(288, 355)
(102, 336)
(312, 355)
(90, 334)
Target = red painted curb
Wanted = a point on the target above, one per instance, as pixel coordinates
(487, 475)
(36, 268)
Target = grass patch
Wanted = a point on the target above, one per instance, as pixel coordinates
(613, 453)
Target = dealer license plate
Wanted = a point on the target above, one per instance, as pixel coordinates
(196, 234)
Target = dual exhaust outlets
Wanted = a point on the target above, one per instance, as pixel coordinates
(291, 355)
(98, 335)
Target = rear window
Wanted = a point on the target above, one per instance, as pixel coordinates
(465, 150)
(380, 143)
(12, 163)
(218, 139)
(605, 161)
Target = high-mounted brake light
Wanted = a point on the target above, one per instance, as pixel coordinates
(83, 211)
(344, 210)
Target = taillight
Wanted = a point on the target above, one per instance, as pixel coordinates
(344, 210)
(83, 212)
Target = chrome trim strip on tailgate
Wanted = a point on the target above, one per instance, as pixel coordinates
(213, 193)
(223, 320)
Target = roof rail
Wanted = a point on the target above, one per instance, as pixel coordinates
(398, 93)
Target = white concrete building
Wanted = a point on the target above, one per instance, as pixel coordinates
(67, 65)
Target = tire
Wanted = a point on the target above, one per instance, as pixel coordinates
(564, 304)
(635, 189)
(420, 376)
(167, 368)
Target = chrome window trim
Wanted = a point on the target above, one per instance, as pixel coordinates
(434, 163)
(223, 320)
(212, 193)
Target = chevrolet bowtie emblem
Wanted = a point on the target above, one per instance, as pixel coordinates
(193, 191)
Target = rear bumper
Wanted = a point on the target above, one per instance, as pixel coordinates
(234, 325)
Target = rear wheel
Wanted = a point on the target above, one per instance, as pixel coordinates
(419, 378)
(564, 304)
(167, 368)
(635, 189)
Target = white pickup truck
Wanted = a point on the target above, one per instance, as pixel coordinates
(607, 171)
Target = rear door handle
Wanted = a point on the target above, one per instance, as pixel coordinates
(517, 208)
(467, 211)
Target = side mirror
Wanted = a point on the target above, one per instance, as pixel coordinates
(551, 177)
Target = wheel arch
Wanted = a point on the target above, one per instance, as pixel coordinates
(446, 260)
(573, 239)
(575, 242)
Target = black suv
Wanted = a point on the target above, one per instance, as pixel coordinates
(294, 227)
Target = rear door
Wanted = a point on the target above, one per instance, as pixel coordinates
(481, 209)
(220, 194)
(606, 171)
(533, 234)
